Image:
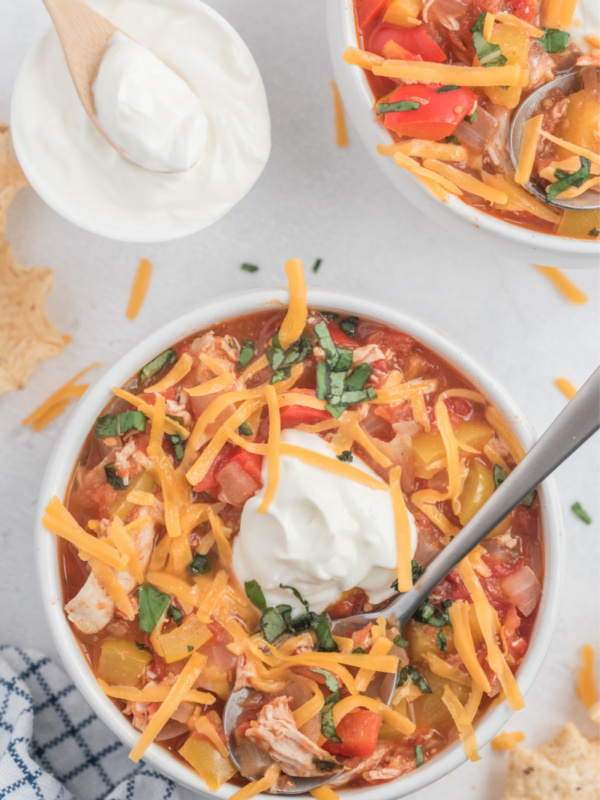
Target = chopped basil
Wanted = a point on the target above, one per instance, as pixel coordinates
(245, 429)
(489, 55)
(419, 757)
(175, 613)
(346, 455)
(118, 424)
(360, 375)
(317, 265)
(527, 501)
(400, 641)
(416, 677)
(199, 565)
(325, 764)
(110, 470)
(272, 625)
(442, 641)
(246, 354)
(358, 651)
(178, 444)
(179, 420)
(141, 646)
(580, 512)
(349, 326)
(296, 594)
(158, 363)
(321, 380)
(330, 680)
(190, 648)
(255, 594)
(499, 476)
(401, 105)
(451, 140)
(416, 571)
(327, 344)
(564, 180)
(276, 621)
(250, 267)
(554, 41)
(325, 640)
(281, 360)
(330, 315)
(472, 117)
(450, 88)
(594, 233)
(151, 606)
(429, 614)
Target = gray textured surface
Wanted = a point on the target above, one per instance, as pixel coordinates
(313, 201)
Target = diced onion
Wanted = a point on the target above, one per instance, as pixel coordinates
(523, 589)
(478, 134)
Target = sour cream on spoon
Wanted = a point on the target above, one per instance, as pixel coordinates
(322, 534)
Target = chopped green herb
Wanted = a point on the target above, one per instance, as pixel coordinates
(330, 680)
(442, 641)
(246, 354)
(199, 565)
(175, 613)
(419, 757)
(360, 375)
(564, 180)
(346, 455)
(141, 646)
(349, 326)
(326, 764)
(250, 268)
(450, 88)
(325, 640)
(499, 476)
(118, 424)
(158, 363)
(489, 55)
(580, 512)
(416, 677)
(451, 140)
(554, 41)
(281, 360)
(327, 344)
(401, 105)
(317, 265)
(527, 501)
(296, 594)
(400, 641)
(245, 429)
(472, 117)
(594, 233)
(429, 614)
(178, 444)
(272, 625)
(255, 594)
(330, 315)
(321, 380)
(327, 725)
(151, 606)
(190, 648)
(359, 651)
(416, 571)
(118, 483)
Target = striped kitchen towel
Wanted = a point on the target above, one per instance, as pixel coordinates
(53, 747)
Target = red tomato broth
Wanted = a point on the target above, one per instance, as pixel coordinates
(435, 728)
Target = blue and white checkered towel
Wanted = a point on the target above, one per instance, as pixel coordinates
(53, 747)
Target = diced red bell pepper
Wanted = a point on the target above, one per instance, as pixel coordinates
(417, 42)
(358, 731)
(292, 416)
(437, 116)
(251, 462)
(340, 339)
(524, 9)
(368, 10)
(209, 481)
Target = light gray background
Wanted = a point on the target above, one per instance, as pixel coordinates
(312, 201)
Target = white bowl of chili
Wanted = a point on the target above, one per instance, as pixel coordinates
(67, 452)
(517, 241)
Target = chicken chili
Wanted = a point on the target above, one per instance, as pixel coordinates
(256, 481)
(448, 76)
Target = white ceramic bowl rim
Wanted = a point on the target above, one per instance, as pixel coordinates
(358, 100)
(81, 420)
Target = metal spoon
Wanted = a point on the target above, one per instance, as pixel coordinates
(579, 420)
(568, 83)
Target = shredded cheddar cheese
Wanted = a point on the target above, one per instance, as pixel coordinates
(574, 148)
(205, 727)
(139, 288)
(56, 404)
(313, 706)
(464, 725)
(413, 166)
(467, 182)
(446, 670)
(517, 22)
(488, 26)
(253, 788)
(294, 321)
(324, 793)
(564, 285)
(152, 694)
(218, 384)
(448, 74)
(341, 133)
(175, 375)
(527, 151)
(106, 576)
(423, 148)
(566, 387)
(393, 718)
(558, 13)
(171, 426)
(505, 432)
(364, 676)
(463, 639)
(506, 741)
(273, 447)
(586, 689)
(403, 532)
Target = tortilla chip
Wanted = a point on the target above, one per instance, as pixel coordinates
(12, 177)
(566, 768)
(27, 336)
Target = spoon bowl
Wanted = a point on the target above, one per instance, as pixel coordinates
(568, 83)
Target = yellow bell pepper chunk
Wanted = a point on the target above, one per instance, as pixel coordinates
(580, 123)
(404, 13)
(208, 763)
(477, 489)
(144, 482)
(514, 43)
(122, 662)
(181, 642)
(580, 224)
(428, 448)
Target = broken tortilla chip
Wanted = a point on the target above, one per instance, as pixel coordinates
(12, 177)
(568, 767)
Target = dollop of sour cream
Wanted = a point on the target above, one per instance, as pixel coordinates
(322, 534)
(147, 110)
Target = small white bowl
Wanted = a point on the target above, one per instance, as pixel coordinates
(516, 242)
(80, 422)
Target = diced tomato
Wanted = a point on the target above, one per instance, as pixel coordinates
(414, 40)
(359, 731)
(386, 338)
(524, 9)
(292, 416)
(352, 603)
(209, 481)
(524, 521)
(340, 339)
(150, 397)
(437, 116)
(368, 10)
(251, 462)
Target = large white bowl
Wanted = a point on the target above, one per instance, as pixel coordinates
(516, 242)
(67, 450)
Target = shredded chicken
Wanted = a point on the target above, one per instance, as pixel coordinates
(367, 354)
(276, 733)
(129, 461)
(92, 609)
(246, 671)
(507, 540)
(353, 769)
(497, 147)
(541, 66)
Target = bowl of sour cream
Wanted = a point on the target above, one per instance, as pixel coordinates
(183, 95)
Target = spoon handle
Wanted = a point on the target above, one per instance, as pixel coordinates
(573, 426)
